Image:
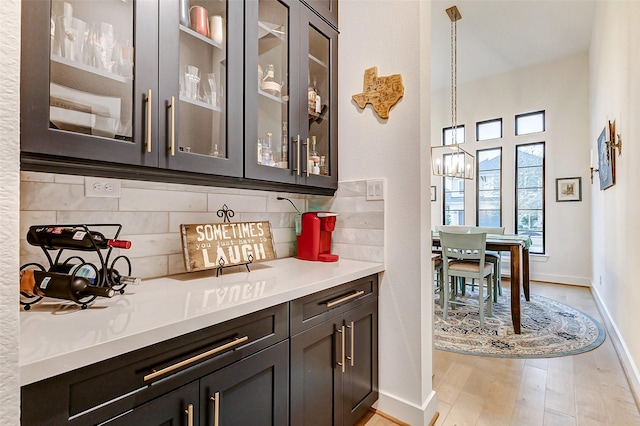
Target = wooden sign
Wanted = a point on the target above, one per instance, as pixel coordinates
(215, 245)
(381, 92)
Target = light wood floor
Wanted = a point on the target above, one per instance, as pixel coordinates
(584, 389)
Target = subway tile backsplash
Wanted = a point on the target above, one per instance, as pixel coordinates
(151, 213)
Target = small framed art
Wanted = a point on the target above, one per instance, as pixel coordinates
(569, 189)
(433, 193)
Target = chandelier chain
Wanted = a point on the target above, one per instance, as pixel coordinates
(454, 81)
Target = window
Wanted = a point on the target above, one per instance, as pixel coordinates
(447, 135)
(489, 187)
(490, 129)
(530, 193)
(531, 122)
(453, 205)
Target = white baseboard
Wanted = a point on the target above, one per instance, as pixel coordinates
(629, 367)
(406, 411)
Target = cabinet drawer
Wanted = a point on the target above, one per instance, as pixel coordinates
(99, 391)
(313, 309)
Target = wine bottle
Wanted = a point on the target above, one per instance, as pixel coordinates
(115, 278)
(84, 270)
(71, 238)
(60, 286)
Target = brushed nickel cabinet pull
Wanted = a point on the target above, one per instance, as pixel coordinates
(353, 351)
(333, 303)
(342, 349)
(297, 169)
(306, 162)
(196, 358)
(216, 408)
(189, 413)
(172, 134)
(149, 106)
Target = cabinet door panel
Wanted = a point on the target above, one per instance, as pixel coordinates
(252, 391)
(319, 64)
(361, 380)
(84, 100)
(172, 409)
(316, 382)
(271, 44)
(200, 97)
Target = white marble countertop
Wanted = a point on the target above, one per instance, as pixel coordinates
(57, 336)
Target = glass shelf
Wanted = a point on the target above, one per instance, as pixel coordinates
(282, 100)
(200, 103)
(318, 61)
(266, 28)
(199, 36)
(89, 69)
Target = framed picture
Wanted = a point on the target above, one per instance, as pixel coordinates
(569, 189)
(606, 158)
(433, 193)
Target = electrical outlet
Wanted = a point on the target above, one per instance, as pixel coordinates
(101, 187)
(375, 190)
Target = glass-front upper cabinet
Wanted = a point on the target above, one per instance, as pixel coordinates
(270, 106)
(200, 91)
(291, 52)
(135, 82)
(319, 66)
(80, 60)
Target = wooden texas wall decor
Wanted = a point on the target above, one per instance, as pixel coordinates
(381, 92)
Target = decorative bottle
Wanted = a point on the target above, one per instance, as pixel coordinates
(284, 148)
(318, 104)
(314, 158)
(269, 83)
(311, 97)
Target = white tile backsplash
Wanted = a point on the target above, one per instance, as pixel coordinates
(151, 214)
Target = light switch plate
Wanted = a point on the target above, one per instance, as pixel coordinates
(102, 187)
(375, 190)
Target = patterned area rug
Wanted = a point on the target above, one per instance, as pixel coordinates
(549, 329)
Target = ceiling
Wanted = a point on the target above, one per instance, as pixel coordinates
(497, 36)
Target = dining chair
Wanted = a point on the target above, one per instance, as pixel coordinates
(495, 257)
(438, 279)
(464, 256)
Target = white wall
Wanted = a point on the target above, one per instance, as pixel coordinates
(561, 89)
(394, 37)
(615, 95)
(9, 210)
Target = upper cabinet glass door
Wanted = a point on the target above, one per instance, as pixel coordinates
(270, 131)
(200, 84)
(88, 70)
(272, 149)
(320, 69)
(91, 68)
(202, 78)
(318, 99)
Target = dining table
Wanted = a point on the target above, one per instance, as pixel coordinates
(518, 248)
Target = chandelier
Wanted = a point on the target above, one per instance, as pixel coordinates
(451, 160)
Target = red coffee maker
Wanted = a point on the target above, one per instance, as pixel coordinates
(314, 241)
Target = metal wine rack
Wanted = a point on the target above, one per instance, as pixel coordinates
(104, 268)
